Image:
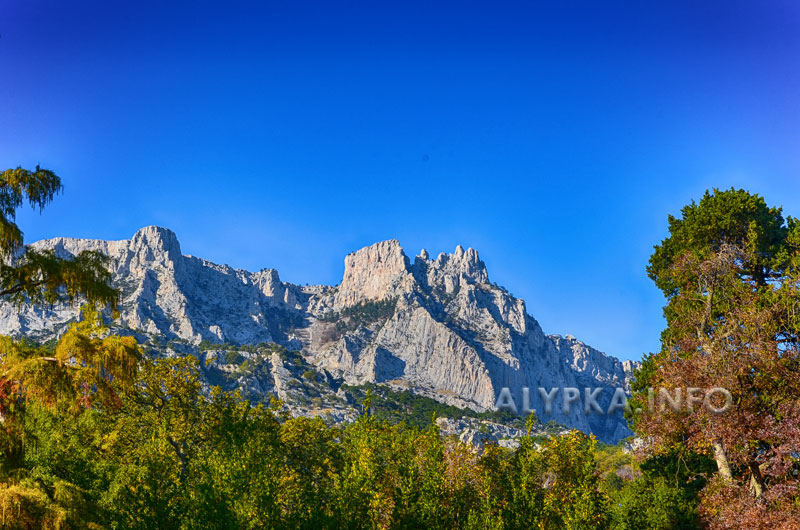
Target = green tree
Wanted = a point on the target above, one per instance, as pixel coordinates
(653, 503)
(732, 217)
(573, 500)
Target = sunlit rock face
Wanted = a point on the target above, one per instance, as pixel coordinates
(437, 326)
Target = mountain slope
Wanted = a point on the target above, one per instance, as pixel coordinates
(437, 326)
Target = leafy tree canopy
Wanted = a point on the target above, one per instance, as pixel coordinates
(42, 276)
(721, 217)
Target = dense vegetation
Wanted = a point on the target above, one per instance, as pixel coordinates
(166, 455)
(405, 406)
(362, 314)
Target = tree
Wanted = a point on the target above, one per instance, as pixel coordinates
(42, 276)
(83, 364)
(653, 503)
(729, 272)
(573, 500)
(87, 369)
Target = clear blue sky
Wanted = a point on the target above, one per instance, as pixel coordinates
(554, 138)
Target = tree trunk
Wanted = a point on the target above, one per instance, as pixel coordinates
(701, 328)
(722, 461)
(756, 480)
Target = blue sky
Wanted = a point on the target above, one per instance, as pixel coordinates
(554, 138)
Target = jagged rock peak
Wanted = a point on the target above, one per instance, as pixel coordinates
(464, 263)
(375, 272)
(158, 239)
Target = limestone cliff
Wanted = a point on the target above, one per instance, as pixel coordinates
(437, 326)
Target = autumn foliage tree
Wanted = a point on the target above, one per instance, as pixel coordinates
(729, 270)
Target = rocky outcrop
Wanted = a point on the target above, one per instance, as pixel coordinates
(479, 433)
(437, 326)
(374, 273)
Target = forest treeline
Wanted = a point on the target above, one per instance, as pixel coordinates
(96, 435)
(168, 455)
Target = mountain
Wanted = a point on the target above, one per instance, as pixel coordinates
(435, 326)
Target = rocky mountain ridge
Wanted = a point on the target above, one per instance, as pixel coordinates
(437, 326)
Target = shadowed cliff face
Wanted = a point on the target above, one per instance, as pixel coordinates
(436, 325)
